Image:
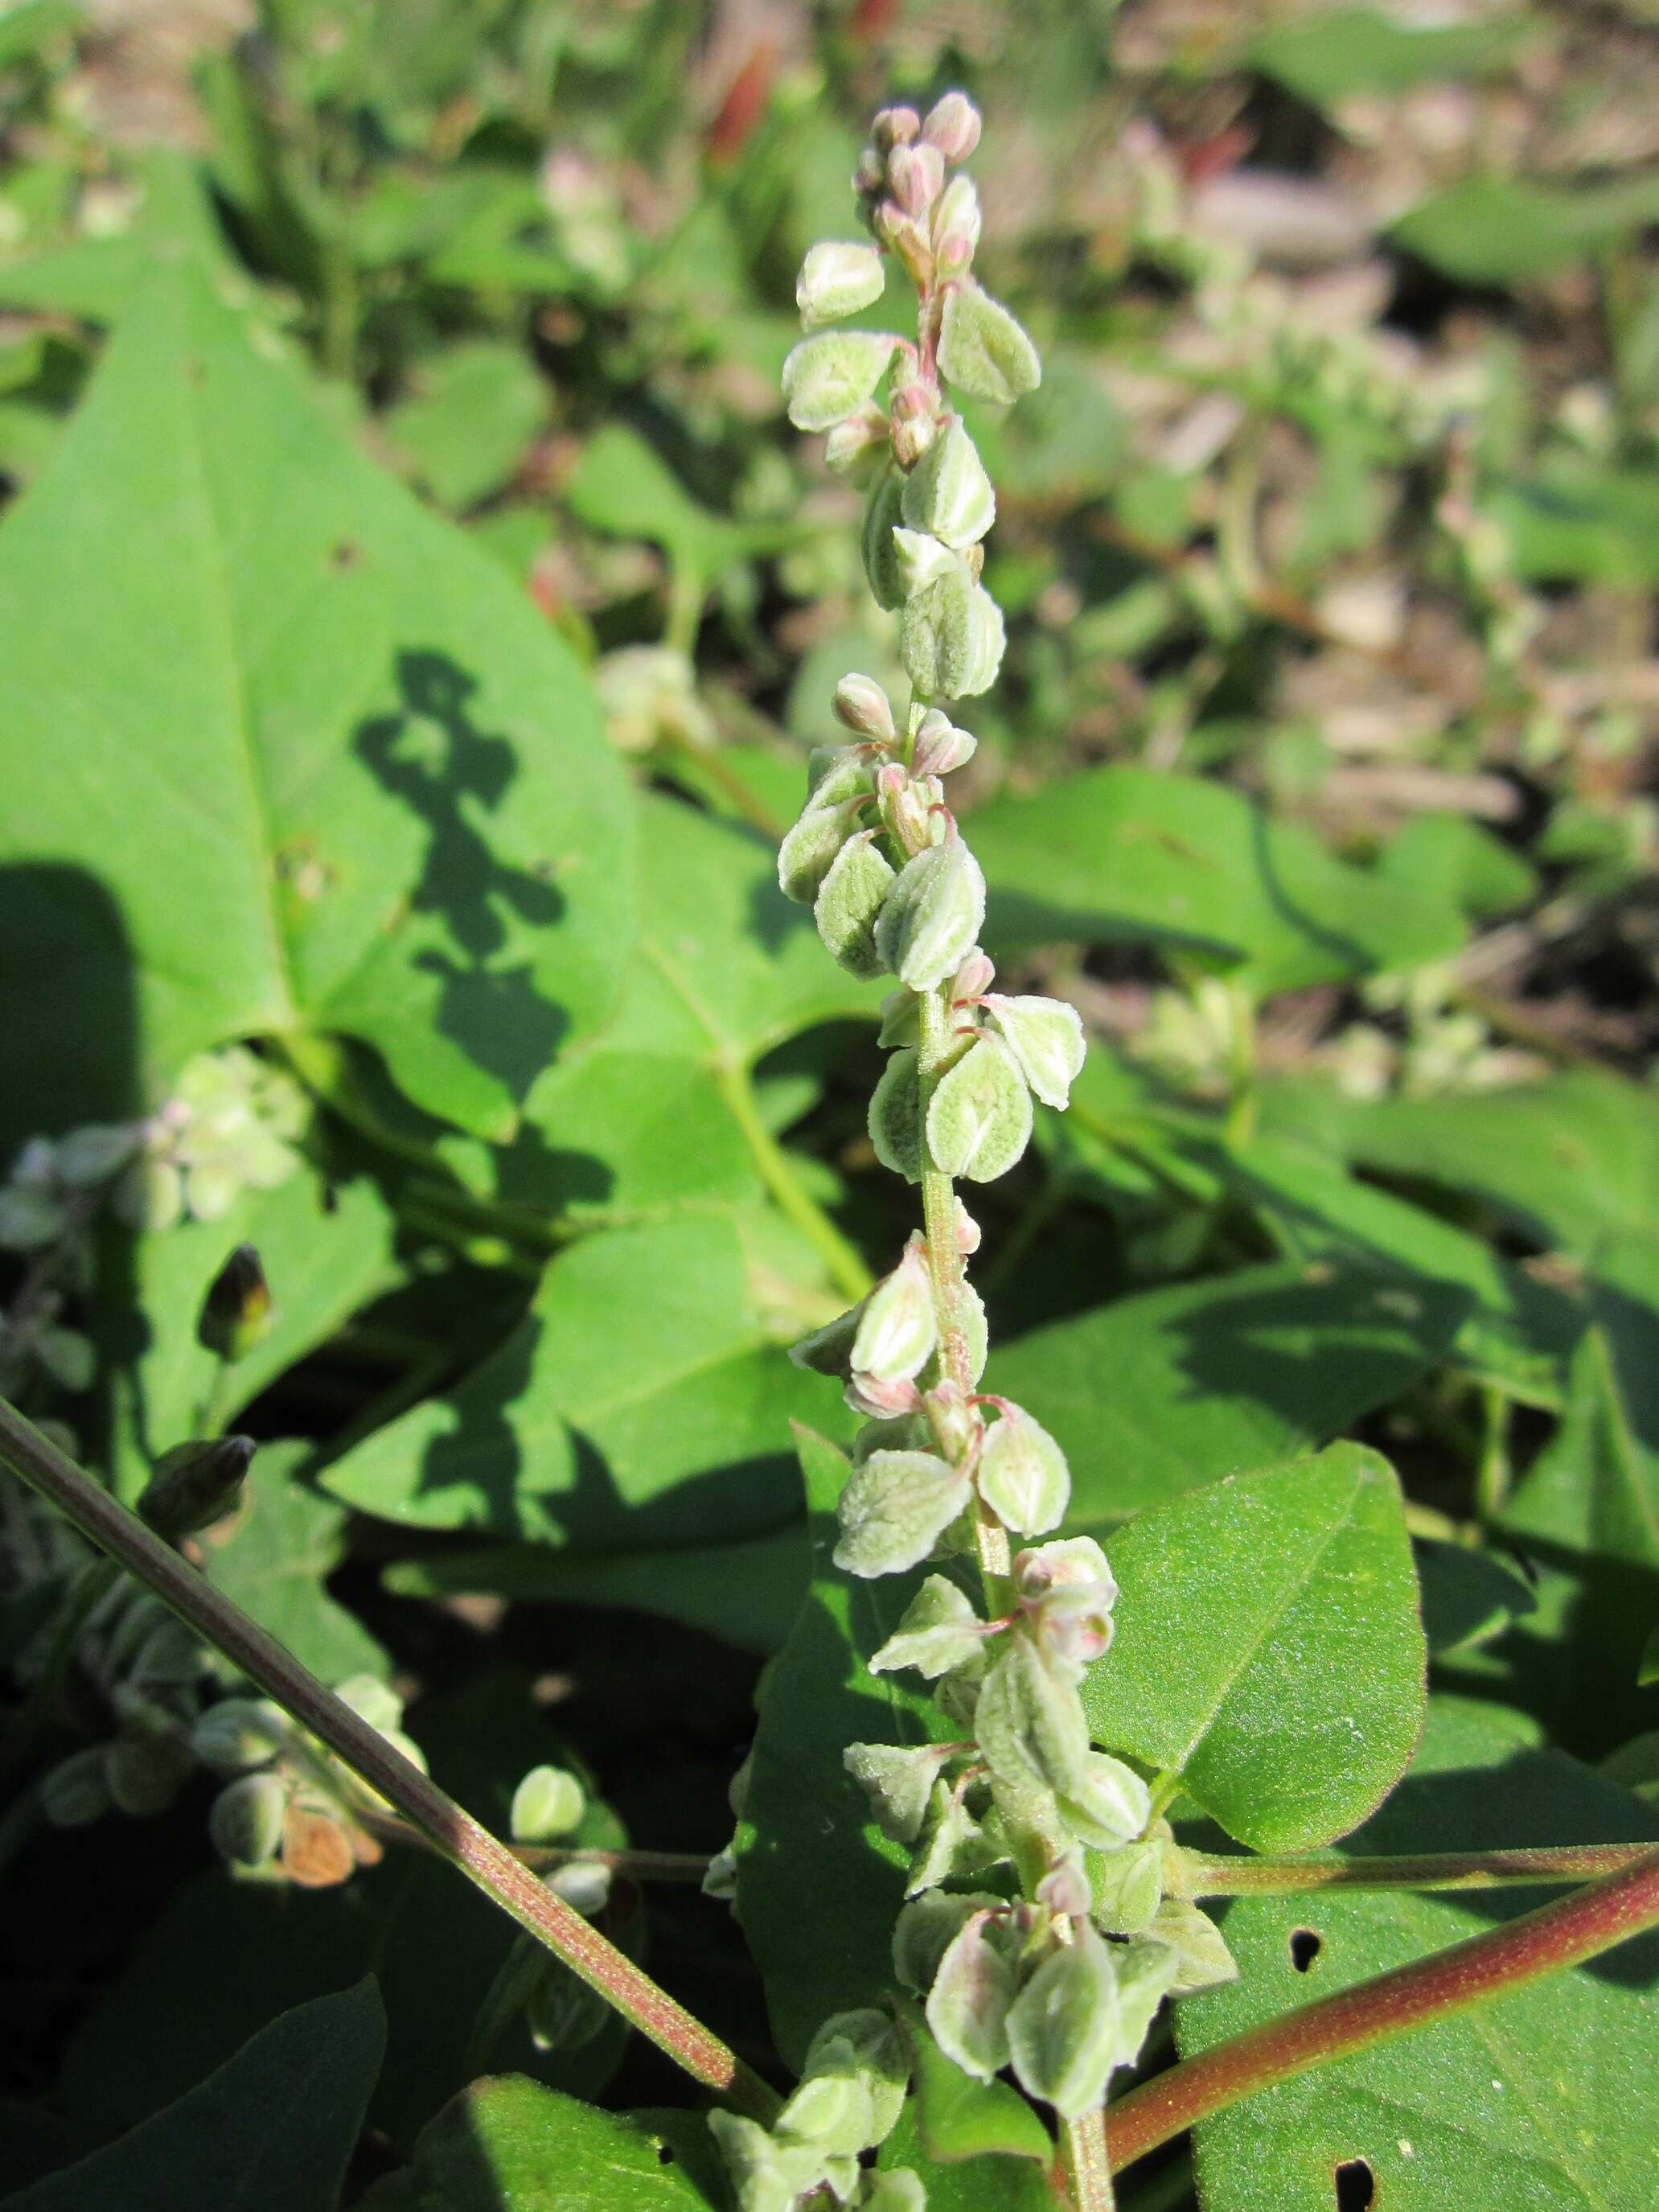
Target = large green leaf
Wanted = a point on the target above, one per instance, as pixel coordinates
(644, 1399)
(271, 2131)
(98, 277)
(1268, 1649)
(273, 1558)
(623, 486)
(1566, 1161)
(819, 1887)
(470, 421)
(1127, 853)
(650, 1117)
(327, 1250)
(1517, 1332)
(1549, 2099)
(329, 771)
(1155, 1394)
(512, 2143)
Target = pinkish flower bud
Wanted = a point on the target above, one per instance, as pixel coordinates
(915, 175)
(940, 746)
(967, 1231)
(895, 126)
(901, 235)
(976, 974)
(903, 806)
(955, 1423)
(952, 126)
(881, 1401)
(855, 445)
(1065, 1888)
(862, 705)
(915, 423)
(870, 178)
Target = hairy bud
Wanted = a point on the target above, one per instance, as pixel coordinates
(953, 126)
(983, 349)
(882, 513)
(849, 904)
(894, 1509)
(238, 1733)
(938, 1631)
(899, 1327)
(1030, 1726)
(1106, 1802)
(1064, 1888)
(979, 1119)
(237, 1314)
(855, 447)
(1063, 2028)
(895, 126)
(896, 1114)
(973, 1993)
(898, 1780)
(948, 492)
(1046, 1038)
(915, 176)
(808, 853)
(1066, 1592)
(829, 377)
(245, 1823)
(548, 1802)
(860, 704)
(905, 804)
(915, 423)
(951, 633)
(932, 916)
(1022, 1474)
(837, 279)
(194, 1484)
(940, 746)
(956, 225)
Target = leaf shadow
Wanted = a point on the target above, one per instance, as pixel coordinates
(432, 755)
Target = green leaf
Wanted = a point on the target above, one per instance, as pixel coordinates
(1548, 2097)
(327, 1251)
(1577, 521)
(1438, 856)
(273, 1558)
(623, 486)
(1155, 1394)
(1338, 53)
(1564, 1161)
(31, 25)
(1130, 855)
(273, 2128)
(511, 2141)
(643, 1400)
(98, 279)
(1467, 1597)
(957, 2116)
(1268, 1648)
(330, 770)
(475, 408)
(1518, 1333)
(1513, 230)
(819, 1887)
(747, 1593)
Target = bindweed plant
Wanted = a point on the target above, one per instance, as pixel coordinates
(489, 1128)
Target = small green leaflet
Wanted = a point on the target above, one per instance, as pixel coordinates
(1268, 1648)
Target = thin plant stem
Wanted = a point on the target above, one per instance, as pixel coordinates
(1557, 1935)
(1088, 2169)
(480, 1856)
(547, 1858)
(1231, 1876)
(847, 1269)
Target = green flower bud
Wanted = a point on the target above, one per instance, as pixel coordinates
(957, 216)
(767, 2176)
(953, 1845)
(1022, 1474)
(94, 1154)
(900, 1019)
(1106, 1802)
(938, 1631)
(894, 1509)
(905, 803)
(952, 126)
(238, 1733)
(837, 279)
(948, 492)
(67, 1357)
(245, 1821)
(951, 635)
(822, 758)
(983, 349)
(972, 1996)
(1063, 2028)
(548, 1802)
(897, 1779)
(829, 377)
(832, 2110)
(922, 558)
(849, 903)
(1202, 1958)
(1066, 1592)
(30, 1219)
(1046, 1038)
(979, 1118)
(940, 746)
(1127, 1886)
(1031, 1727)
(844, 773)
(899, 1327)
(878, 2053)
(926, 1928)
(896, 1114)
(195, 1485)
(808, 853)
(75, 1793)
(144, 1773)
(237, 1314)
(965, 1311)
(883, 512)
(933, 914)
(862, 705)
(857, 447)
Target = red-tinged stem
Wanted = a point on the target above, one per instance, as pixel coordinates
(1555, 1936)
(1202, 1876)
(481, 1856)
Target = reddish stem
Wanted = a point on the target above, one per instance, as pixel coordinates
(1557, 1935)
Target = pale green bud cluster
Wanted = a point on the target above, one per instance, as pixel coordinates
(146, 1672)
(291, 1810)
(848, 2101)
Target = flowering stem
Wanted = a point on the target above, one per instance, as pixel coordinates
(1232, 1876)
(1557, 1935)
(1088, 2167)
(484, 1859)
(938, 1208)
